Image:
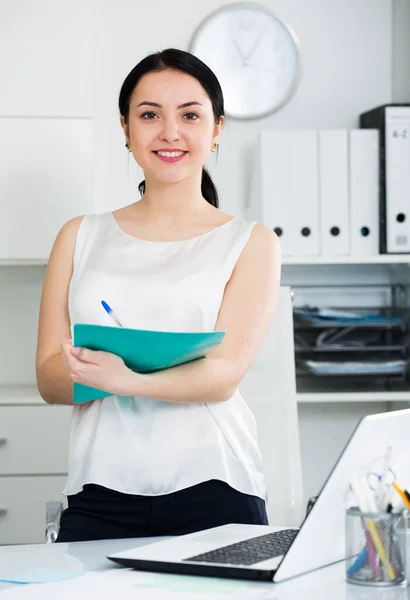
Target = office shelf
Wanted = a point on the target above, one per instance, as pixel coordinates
(330, 397)
(19, 394)
(23, 262)
(346, 260)
(381, 259)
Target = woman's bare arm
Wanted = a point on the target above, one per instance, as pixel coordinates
(53, 380)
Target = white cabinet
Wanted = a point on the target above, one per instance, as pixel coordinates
(46, 112)
(23, 507)
(45, 180)
(34, 439)
(46, 51)
(33, 462)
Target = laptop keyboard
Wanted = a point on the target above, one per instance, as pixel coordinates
(252, 551)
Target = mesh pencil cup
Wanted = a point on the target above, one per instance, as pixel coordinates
(376, 553)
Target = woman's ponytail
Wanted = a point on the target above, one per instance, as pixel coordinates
(208, 189)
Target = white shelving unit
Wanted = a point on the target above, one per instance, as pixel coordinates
(317, 270)
(22, 395)
(380, 259)
(353, 397)
(17, 262)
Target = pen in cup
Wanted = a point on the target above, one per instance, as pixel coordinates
(370, 526)
(111, 313)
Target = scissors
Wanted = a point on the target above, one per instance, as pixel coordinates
(374, 479)
(381, 486)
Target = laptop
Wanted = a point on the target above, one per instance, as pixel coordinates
(269, 553)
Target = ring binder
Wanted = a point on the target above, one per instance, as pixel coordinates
(393, 123)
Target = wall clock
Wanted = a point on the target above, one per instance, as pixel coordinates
(254, 55)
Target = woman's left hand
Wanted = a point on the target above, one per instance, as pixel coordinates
(97, 369)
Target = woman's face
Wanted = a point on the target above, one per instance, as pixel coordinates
(170, 111)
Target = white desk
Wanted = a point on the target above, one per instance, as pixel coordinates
(324, 584)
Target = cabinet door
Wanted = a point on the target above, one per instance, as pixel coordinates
(46, 66)
(23, 507)
(45, 180)
(34, 439)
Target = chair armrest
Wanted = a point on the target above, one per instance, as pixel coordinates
(54, 511)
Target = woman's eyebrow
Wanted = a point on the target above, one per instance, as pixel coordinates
(146, 102)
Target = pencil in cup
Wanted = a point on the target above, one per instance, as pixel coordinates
(376, 555)
(375, 542)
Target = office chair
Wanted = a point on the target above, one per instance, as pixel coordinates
(54, 510)
(269, 389)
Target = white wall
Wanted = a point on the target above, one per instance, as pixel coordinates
(401, 51)
(68, 59)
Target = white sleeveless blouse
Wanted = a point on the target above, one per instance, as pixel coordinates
(140, 445)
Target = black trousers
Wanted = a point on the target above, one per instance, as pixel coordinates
(100, 513)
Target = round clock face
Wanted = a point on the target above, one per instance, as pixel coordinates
(253, 54)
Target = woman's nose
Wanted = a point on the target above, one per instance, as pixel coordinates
(169, 131)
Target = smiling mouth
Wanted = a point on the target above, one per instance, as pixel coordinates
(170, 156)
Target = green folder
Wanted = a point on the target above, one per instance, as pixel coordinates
(142, 350)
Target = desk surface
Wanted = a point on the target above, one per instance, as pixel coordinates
(325, 584)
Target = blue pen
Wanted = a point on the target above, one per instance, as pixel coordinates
(111, 313)
(359, 562)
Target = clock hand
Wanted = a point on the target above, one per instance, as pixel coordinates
(239, 50)
(255, 45)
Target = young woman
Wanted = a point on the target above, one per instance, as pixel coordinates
(174, 451)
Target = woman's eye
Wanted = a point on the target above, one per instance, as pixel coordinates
(148, 116)
(190, 115)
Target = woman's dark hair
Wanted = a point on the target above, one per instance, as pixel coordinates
(173, 59)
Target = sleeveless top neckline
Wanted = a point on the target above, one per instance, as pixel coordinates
(137, 239)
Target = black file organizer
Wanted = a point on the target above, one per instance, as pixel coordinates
(385, 341)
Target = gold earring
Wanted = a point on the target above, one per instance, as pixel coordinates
(128, 148)
(214, 145)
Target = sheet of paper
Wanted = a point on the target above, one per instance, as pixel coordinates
(38, 564)
(40, 575)
(129, 584)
